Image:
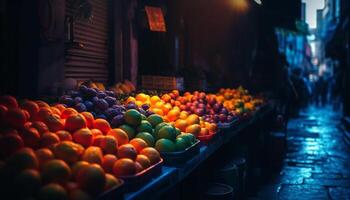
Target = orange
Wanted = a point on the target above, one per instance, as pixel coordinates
(89, 119)
(141, 97)
(78, 194)
(28, 181)
(108, 162)
(54, 122)
(24, 158)
(10, 143)
(138, 167)
(77, 167)
(173, 115)
(109, 144)
(64, 135)
(75, 122)
(56, 171)
(60, 107)
(111, 181)
(166, 97)
(92, 179)
(183, 115)
(52, 191)
(102, 125)
(192, 119)
(49, 139)
(30, 136)
(181, 124)
(43, 113)
(42, 104)
(93, 155)
(204, 131)
(124, 167)
(143, 160)
(68, 151)
(127, 151)
(31, 107)
(8, 101)
(44, 155)
(98, 140)
(139, 144)
(120, 135)
(212, 127)
(152, 154)
(67, 112)
(83, 136)
(55, 110)
(3, 111)
(195, 129)
(15, 117)
(158, 111)
(95, 132)
(40, 126)
(154, 99)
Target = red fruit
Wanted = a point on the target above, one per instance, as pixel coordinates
(89, 119)
(92, 179)
(127, 151)
(96, 132)
(10, 143)
(102, 125)
(3, 111)
(8, 101)
(16, 118)
(40, 126)
(54, 123)
(98, 140)
(93, 155)
(64, 135)
(108, 162)
(83, 136)
(48, 139)
(44, 155)
(43, 113)
(75, 122)
(31, 107)
(109, 145)
(31, 137)
(67, 112)
(124, 167)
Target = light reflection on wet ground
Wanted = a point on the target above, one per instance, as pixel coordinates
(317, 163)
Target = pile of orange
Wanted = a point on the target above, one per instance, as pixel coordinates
(54, 150)
(238, 100)
(171, 107)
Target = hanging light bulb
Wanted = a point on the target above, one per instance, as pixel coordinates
(258, 2)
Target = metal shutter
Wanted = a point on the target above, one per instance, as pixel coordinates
(91, 61)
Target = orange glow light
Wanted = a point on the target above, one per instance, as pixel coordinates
(240, 5)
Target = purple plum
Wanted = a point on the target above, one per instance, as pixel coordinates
(110, 100)
(80, 107)
(117, 121)
(102, 104)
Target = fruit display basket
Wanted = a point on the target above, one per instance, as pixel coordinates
(227, 126)
(116, 192)
(174, 158)
(134, 182)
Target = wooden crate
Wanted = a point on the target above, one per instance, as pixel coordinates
(162, 82)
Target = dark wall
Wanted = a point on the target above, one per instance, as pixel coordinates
(33, 47)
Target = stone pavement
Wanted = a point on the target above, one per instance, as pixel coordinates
(317, 163)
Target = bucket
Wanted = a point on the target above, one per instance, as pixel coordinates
(242, 179)
(228, 175)
(218, 191)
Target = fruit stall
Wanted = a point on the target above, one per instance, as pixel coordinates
(118, 143)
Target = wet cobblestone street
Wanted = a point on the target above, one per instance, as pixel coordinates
(317, 162)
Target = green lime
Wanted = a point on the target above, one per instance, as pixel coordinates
(165, 145)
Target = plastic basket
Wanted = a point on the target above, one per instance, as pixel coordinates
(174, 158)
